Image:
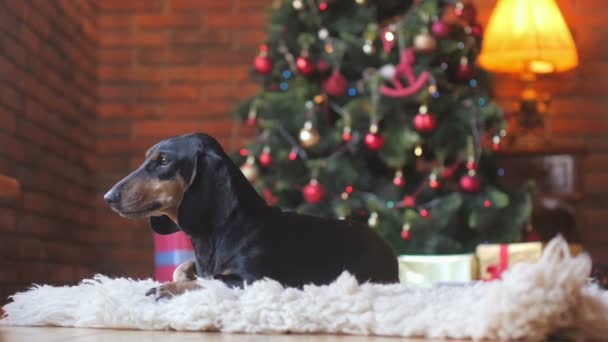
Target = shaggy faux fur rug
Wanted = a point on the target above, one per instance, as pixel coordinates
(532, 301)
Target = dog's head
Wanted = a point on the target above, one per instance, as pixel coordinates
(185, 182)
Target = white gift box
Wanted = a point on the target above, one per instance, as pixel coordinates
(430, 270)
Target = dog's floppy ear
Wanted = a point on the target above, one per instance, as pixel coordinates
(217, 189)
(163, 225)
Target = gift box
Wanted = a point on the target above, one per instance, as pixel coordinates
(431, 270)
(494, 259)
(169, 252)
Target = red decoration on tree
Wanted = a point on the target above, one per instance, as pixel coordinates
(251, 121)
(398, 180)
(434, 183)
(487, 203)
(313, 192)
(374, 141)
(305, 65)
(270, 198)
(336, 85)
(405, 233)
(262, 63)
(265, 159)
(466, 12)
(470, 183)
(243, 152)
(476, 30)
(346, 134)
(323, 6)
(424, 122)
(471, 165)
(349, 189)
(409, 201)
(293, 155)
(465, 70)
(405, 68)
(441, 29)
(424, 212)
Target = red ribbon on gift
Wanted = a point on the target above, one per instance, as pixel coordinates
(495, 271)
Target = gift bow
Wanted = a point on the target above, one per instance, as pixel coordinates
(495, 271)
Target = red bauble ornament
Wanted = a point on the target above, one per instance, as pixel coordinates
(336, 85)
(424, 213)
(471, 165)
(470, 183)
(477, 30)
(466, 12)
(424, 122)
(374, 141)
(409, 201)
(441, 29)
(434, 184)
(487, 203)
(265, 159)
(262, 63)
(398, 180)
(405, 234)
(347, 135)
(305, 66)
(465, 70)
(313, 192)
(293, 155)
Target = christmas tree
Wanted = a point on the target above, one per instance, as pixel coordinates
(375, 111)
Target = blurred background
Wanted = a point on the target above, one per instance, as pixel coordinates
(87, 86)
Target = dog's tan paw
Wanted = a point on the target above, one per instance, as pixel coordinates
(171, 290)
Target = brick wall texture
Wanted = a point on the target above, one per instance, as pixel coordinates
(86, 86)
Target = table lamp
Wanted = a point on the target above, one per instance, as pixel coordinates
(528, 37)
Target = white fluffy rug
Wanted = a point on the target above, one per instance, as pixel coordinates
(531, 301)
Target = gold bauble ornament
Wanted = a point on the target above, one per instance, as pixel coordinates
(424, 43)
(250, 170)
(309, 136)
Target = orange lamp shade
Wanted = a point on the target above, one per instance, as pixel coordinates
(527, 36)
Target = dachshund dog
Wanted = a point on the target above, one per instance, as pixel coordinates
(188, 183)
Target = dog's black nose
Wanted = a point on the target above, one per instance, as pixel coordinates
(112, 197)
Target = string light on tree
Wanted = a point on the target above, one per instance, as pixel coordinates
(297, 4)
(496, 143)
(323, 6)
(487, 203)
(388, 38)
(372, 221)
(424, 212)
(418, 151)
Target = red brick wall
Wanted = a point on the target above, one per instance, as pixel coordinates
(166, 67)
(47, 116)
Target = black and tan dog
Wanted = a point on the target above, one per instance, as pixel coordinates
(188, 183)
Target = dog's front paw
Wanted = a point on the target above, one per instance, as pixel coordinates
(163, 291)
(173, 289)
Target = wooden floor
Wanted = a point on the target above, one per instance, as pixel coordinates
(23, 334)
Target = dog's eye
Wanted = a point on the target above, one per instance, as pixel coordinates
(162, 160)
